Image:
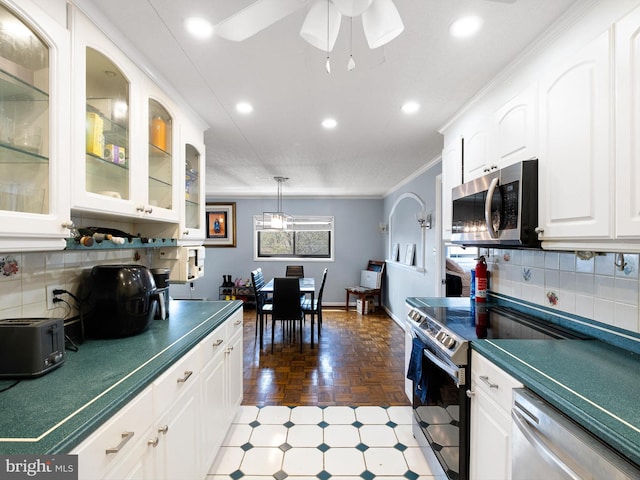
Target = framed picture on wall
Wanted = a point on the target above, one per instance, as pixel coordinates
(221, 224)
(395, 252)
(410, 253)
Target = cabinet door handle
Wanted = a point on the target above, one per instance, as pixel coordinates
(163, 429)
(238, 322)
(539, 230)
(153, 442)
(470, 393)
(140, 208)
(218, 343)
(126, 436)
(148, 210)
(186, 232)
(187, 374)
(486, 380)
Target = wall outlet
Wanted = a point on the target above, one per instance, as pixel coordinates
(50, 296)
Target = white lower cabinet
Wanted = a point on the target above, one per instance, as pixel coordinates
(174, 428)
(491, 390)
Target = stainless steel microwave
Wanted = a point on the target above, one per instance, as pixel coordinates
(500, 208)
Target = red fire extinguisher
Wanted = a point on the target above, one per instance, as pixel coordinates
(481, 279)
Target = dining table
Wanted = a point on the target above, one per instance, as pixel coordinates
(307, 287)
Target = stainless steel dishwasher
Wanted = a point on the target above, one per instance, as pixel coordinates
(548, 445)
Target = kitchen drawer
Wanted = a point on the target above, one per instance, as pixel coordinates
(492, 380)
(234, 323)
(214, 343)
(171, 383)
(119, 435)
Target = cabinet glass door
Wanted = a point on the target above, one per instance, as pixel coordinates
(107, 127)
(24, 117)
(192, 187)
(160, 158)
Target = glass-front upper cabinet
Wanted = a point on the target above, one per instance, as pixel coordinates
(192, 224)
(34, 69)
(160, 156)
(107, 127)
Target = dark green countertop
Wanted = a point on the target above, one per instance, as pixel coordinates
(594, 383)
(54, 413)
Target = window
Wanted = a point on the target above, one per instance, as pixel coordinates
(309, 238)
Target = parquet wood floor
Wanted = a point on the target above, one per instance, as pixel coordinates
(358, 360)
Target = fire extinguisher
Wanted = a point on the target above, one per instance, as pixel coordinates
(481, 279)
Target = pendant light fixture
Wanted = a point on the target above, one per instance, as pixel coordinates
(278, 220)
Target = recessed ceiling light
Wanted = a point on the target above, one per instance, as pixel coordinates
(199, 27)
(411, 107)
(329, 123)
(244, 107)
(465, 26)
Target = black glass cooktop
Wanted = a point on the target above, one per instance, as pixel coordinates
(473, 321)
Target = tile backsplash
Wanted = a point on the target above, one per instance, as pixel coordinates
(25, 276)
(602, 287)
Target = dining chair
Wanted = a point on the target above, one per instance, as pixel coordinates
(264, 305)
(286, 307)
(295, 271)
(316, 308)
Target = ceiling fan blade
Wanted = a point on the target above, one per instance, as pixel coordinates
(256, 17)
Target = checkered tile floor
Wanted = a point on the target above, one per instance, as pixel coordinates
(320, 442)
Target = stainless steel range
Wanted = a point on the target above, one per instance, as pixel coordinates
(440, 369)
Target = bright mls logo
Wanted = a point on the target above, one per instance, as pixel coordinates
(52, 467)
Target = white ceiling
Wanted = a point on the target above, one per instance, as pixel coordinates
(375, 146)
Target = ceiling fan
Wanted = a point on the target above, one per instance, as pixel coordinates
(380, 19)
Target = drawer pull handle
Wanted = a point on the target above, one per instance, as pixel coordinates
(187, 374)
(218, 343)
(238, 322)
(164, 429)
(153, 442)
(486, 380)
(126, 436)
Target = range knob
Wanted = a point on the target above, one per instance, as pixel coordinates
(449, 342)
(442, 336)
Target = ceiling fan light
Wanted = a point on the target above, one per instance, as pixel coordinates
(352, 8)
(314, 28)
(381, 23)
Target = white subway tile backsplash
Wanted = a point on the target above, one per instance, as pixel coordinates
(626, 316)
(584, 266)
(626, 291)
(551, 260)
(604, 264)
(585, 284)
(584, 306)
(604, 287)
(568, 262)
(593, 287)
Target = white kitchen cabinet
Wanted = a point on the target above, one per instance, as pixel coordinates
(627, 196)
(174, 428)
(576, 160)
(516, 127)
(120, 445)
(478, 148)
(192, 218)
(118, 169)
(178, 436)
(491, 390)
(451, 177)
(34, 146)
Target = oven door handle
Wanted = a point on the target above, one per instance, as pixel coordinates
(448, 369)
(487, 208)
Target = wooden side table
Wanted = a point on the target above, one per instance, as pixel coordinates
(363, 294)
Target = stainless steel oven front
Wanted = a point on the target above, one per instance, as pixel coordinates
(440, 404)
